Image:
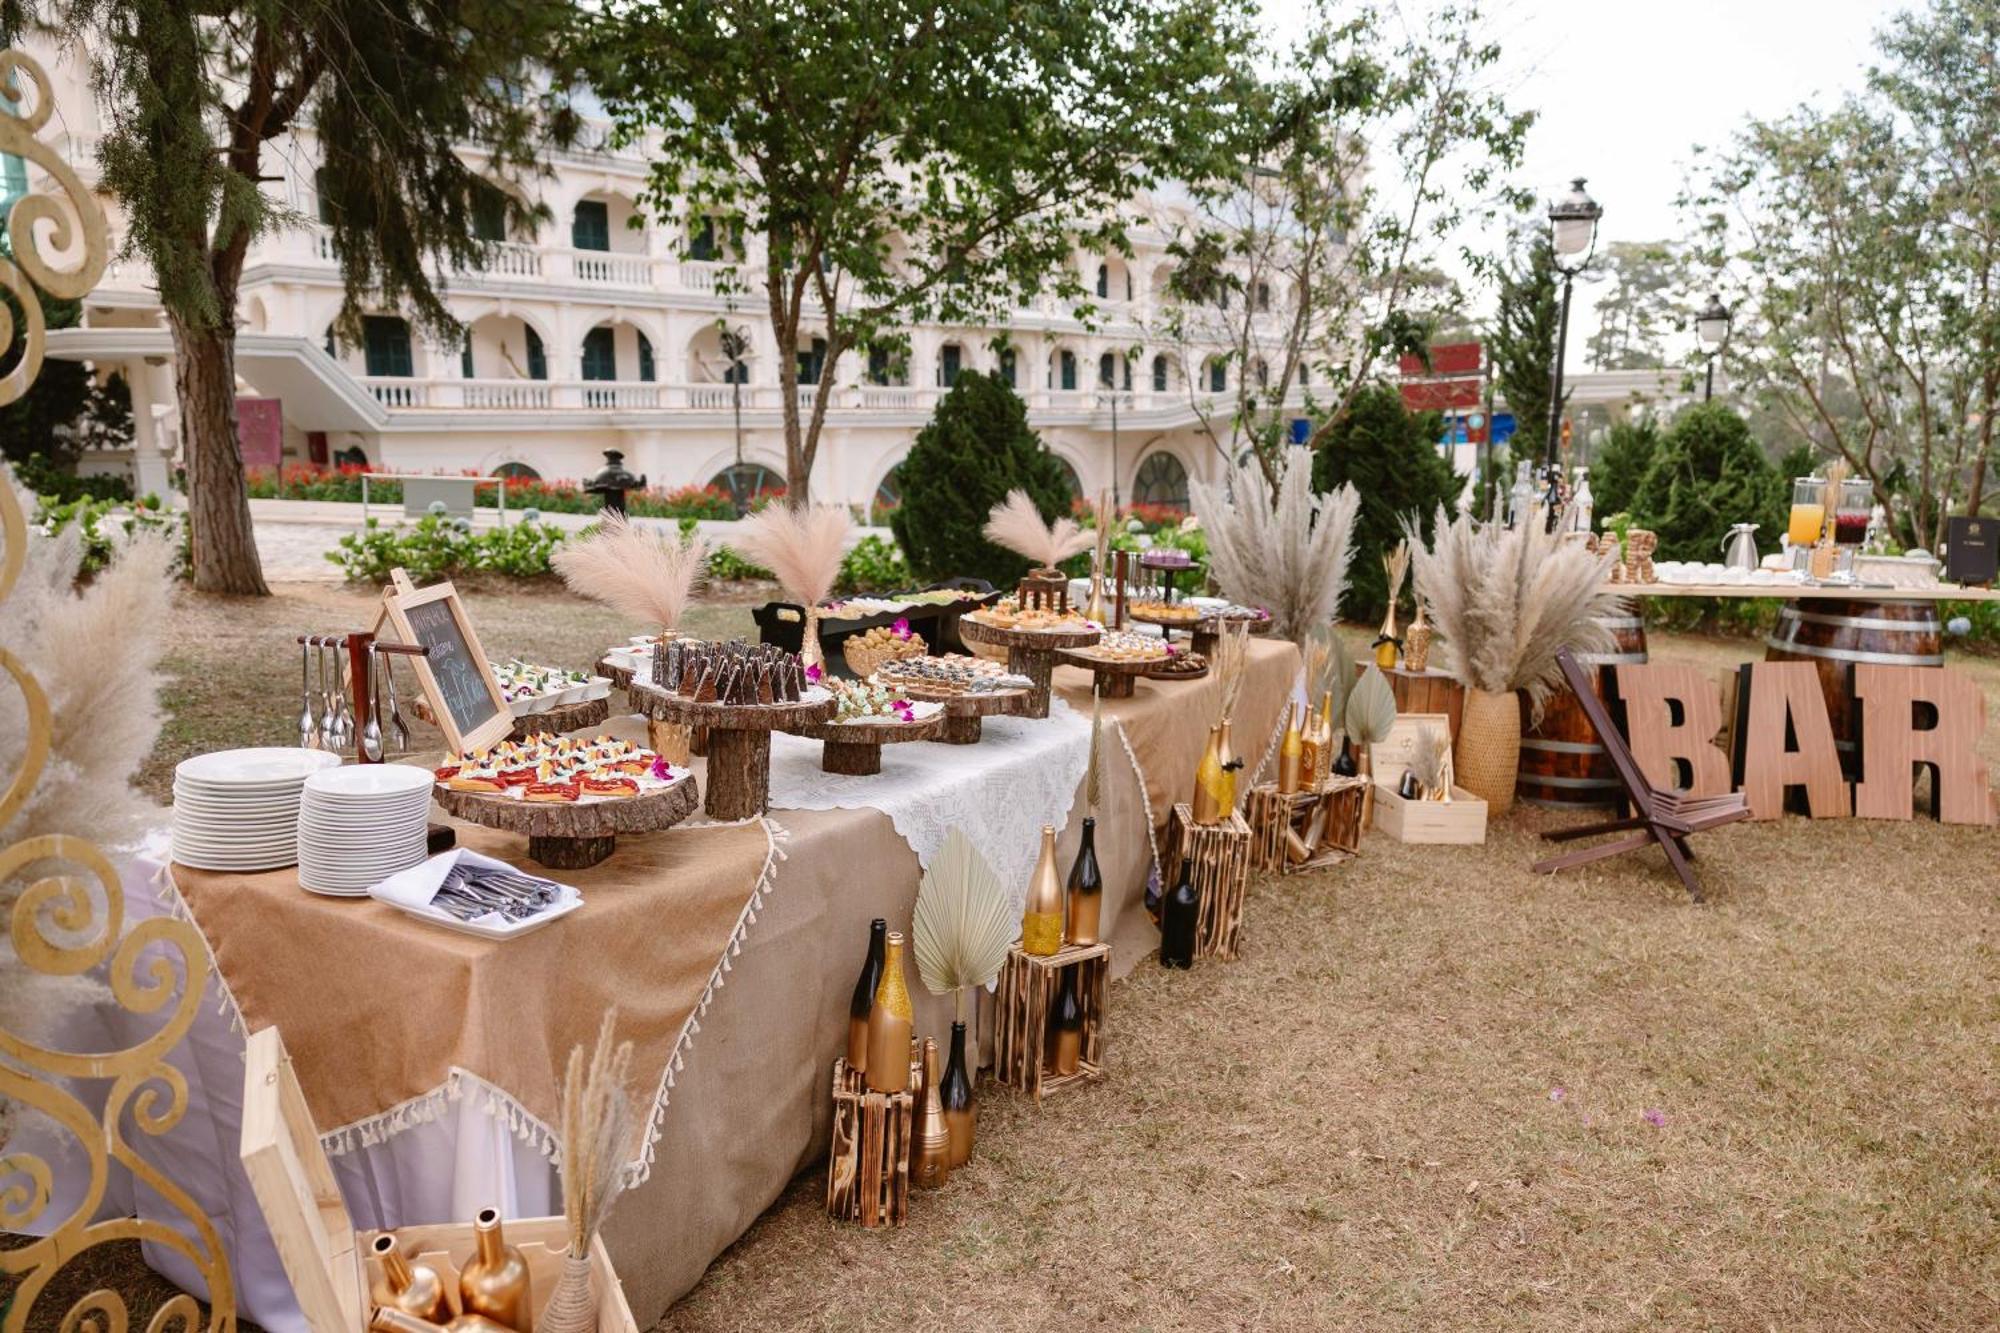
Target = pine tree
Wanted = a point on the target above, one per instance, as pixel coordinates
(1621, 465)
(1523, 342)
(1707, 474)
(976, 447)
(1391, 455)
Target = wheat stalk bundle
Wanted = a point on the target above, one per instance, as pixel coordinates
(1093, 776)
(596, 1134)
(645, 574)
(801, 547)
(1507, 600)
(1016, 524)
(1396, 564)
(1231, 657)
(963, 923)
(1284, 548)
(1430, 763)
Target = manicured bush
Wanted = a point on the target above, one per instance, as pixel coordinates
(1707, 474)
(872, 565)
(440, 547)
(1621, 465)
(975, 449)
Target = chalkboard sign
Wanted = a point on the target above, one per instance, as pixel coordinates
(457, 679)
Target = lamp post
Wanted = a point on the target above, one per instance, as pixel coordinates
(1573, 236)
(1712, 327)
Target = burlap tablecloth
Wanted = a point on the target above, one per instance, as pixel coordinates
(376, 1010)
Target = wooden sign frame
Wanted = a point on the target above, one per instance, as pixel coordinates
(398, 602)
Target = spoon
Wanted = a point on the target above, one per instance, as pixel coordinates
(371, 734)
(329, 723)
(308, 725)
(395, 710)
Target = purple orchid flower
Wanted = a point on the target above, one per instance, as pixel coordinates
(662, 771)
(901, 629)
(813, 673)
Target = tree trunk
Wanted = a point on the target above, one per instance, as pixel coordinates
(224, 546)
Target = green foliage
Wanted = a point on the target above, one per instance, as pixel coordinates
(1643, 305)
(105, 523)
(1621, 464)
(872, 565)
(990, 145)
(45, 431)
(439, 547)
(976, 447)
(726, 565)
(47, 479)
(1391, 455)
(1707, 474)
(1522, 344)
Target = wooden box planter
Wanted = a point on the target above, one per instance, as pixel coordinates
(315, 1237)
(868, 1165)
(1461, 820)
(1026, 994)
(1271, 815)
(1221, 858)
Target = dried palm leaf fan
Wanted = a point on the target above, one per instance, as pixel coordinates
(802, 548)
(1505, 601)
(1016, 524)
(1371, 712)
(1281, 547)
(644, 574)
(963, 923)
(597, 1134)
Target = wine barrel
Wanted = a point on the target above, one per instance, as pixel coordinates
(1563, 763)
(1834, 634)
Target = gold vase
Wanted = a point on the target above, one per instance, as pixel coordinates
(1095, 610)
(1042, 917)
(932, 1141)
(1488, 755)
(1291, 753)
(494, 1282)
(1417, 645)
(810, 653)
(412, 1288)
(889, 1024)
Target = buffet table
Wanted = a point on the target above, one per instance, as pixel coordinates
(431, 1059)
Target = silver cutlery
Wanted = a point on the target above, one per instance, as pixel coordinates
(308, 725)
(402, 728)
(371, 690)
(329, 721)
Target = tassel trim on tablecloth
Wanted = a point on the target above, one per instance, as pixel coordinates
(427, 1107)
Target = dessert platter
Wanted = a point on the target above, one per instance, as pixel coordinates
(882, 643)
(970, 689)
(867, 716)
(1120, 658)
(1031, 636)
(546, 699)
(741, 694)
(1202, 617)
(571, 797)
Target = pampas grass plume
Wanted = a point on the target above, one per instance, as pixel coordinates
(1016, 524)
(642, 574)
(802, 547)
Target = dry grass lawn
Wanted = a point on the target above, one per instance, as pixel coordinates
(1436, 1093)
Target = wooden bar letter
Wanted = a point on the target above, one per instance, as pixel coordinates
(1782, 693)
(1661, 746)
(1891, 743)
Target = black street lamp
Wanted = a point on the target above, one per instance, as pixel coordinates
(1712, 327)
(1573, 236)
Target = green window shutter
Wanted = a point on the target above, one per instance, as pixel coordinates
(386, 345)
(646, 369)
(600, 355)
(590, 228)
(538, 357)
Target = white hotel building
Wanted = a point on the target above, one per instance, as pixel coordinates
(602, 330)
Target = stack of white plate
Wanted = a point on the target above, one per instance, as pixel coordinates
(239, 809)
(361, 824)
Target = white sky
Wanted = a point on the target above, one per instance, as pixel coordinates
(1624, 88)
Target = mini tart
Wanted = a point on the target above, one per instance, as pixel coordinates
(518, 777)
(446, 772)
(615, 787)
(551, 793)
(475, 782)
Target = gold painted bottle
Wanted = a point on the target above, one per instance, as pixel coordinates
(932, 1141)
(1207, 807)
(1312, 756)
(1086, 889)
(863, 1002)
(494, 1283)
(414, 1289)
(1291, 753)
(889, 1024)
(1042, 917)
(389, 1320)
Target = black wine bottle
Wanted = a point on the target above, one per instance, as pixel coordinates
(1178, 916)
(1407, 788)
(1086, 889)
(956, 1090)
(864, 997)
(1065, 1043)
(1344, 765)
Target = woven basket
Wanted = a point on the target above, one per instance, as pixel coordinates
(1489, 748)
(862, 659)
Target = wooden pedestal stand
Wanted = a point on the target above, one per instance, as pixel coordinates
(739, 741)
(1026, 994)
(1144, 614)
(1221, 858)
(964, 713)
(1208, 633)
(1030, 653)
(570, 837)
(855, 748)
(1116, 677)
(611, 671)
(1329, 820)
(557, 721)
(868, 1166)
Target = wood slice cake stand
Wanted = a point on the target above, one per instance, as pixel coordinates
(557, 721)
(570, 837)
(1116, 677)
(1030, 653)
(855, 748)
(739, 742)
(964, 714)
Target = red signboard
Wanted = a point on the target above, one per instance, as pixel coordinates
(1446, 359)
(260, 431)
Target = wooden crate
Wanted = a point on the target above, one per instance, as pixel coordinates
(1460, 820)
(1221, 857)
(1335, 812)
(868, 1165)
(315, 1237)
(1026, 993)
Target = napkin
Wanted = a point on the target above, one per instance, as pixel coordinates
(414, 888)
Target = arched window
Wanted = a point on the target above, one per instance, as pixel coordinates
(1107, 370)
(600, 354)
(1009, 364)
(590, 225)
(1070, 479)
(1062, 370)
(1218, 376)
(1159, 374)
(385, 343)
(489, 211)
(1263, 296)
(888, 495)
(465, 355)
(812, 362)
(951, 360)
(745, 482)
(538, 355)
(886, 364)
(1104, 282)
(516, 472)
(1161, 480)
(646, 369)
(1305, 374)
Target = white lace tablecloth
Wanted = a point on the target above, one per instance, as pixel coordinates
(1023, 774)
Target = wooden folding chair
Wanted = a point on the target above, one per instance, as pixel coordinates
(1665, 817)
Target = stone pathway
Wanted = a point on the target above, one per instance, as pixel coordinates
(296, 552)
